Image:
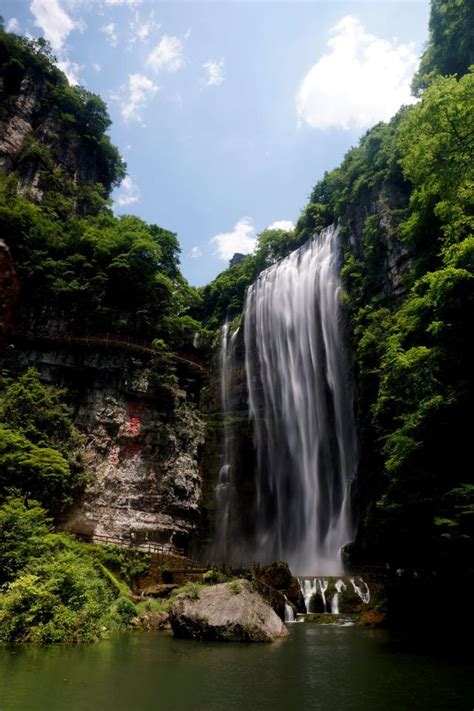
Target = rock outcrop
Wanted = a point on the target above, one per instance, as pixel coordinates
(278, 577)
(230, 612)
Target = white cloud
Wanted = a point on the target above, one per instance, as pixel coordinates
(70, 69)
(141, 29)
(168, 54)
(128, 192)
(360, 80)
(139, 91)
(129, 3)
(12, 25)
(53, 20)
(286, 225)
(97, 67)
(242, 239)
(215, 73)
(196, 252)
(111, 34)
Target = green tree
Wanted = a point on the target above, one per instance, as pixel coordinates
(37, 411)
(450, 47)
(23, 527)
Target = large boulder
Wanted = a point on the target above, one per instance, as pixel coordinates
(230, 612)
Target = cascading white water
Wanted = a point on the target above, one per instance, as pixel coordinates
(340, 586)
(317, 593)
(309, 588)
(363, 594)
(289, 613)
(323, 586)
(301, 404)
(224, 490)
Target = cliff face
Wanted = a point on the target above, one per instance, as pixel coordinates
(140, 448)
(384, 206)
(9, 290)
(53, 136)
(26, 127)
(141, 430)
(227, 540)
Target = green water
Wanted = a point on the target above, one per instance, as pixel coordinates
(347, 669)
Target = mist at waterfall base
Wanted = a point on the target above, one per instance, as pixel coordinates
(301, 404)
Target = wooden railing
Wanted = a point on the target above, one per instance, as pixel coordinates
(107, 340)
(144, 546)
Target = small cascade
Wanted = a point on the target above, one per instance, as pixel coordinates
(340, 586)
(324, 594)
(309, 588)
(323, 586)
(289, 613)
(363, 594)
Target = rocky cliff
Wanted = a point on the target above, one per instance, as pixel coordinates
(140, 448)
(50, 133)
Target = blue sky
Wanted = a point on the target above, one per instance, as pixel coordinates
(227, 113)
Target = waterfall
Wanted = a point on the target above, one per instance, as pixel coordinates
(340, 586)
(323, 586)
(224, 490)
(301, 404)
(309, 588)
(326, 593)
(289, 613)
(363, 594)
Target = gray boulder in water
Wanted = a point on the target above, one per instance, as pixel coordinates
(230, 612)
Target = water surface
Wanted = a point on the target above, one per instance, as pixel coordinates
(323, 668)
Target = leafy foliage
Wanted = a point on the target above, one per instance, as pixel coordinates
(451, 42)
(23, 527)
(127, 563)
(55, 589)
(38, 444)
(59, 597)
(414, 355)
(80, 117)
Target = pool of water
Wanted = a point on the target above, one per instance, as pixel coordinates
(343, 668)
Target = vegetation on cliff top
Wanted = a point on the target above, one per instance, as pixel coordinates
(76, 116)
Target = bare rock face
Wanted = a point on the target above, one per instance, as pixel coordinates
(230, 612)
(140, 450)
(146, 487)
